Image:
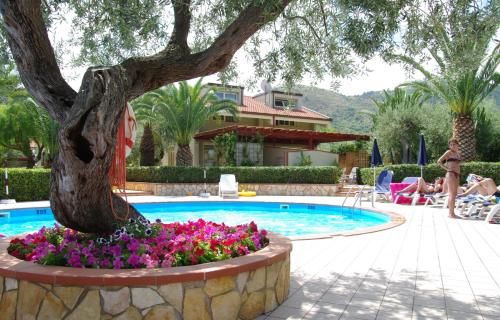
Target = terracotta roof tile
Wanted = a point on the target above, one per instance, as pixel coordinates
(251, 105)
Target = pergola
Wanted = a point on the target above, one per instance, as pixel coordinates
(283, 135)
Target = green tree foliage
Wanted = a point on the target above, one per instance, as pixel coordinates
(179, 112)
(456, 36)
(225, 149)
(24, 123)
(401, 117)
(487, 134)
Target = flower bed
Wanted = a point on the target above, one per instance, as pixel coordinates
(140, 244)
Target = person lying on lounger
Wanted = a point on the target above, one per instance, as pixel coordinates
(485, 187)
(423, 187)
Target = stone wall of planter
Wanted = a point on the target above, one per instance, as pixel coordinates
(256, 285)
(262, 189)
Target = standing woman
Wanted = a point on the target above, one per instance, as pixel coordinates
(450, 161)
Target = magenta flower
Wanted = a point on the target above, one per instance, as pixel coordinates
(117, 263)
(133, 260)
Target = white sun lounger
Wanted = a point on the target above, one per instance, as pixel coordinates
(228, 187)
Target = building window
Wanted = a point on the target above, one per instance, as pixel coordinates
(233, 96)
(209, 156)
(285, 123)
(285, 103)
(223, 118)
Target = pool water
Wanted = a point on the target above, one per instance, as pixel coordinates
(288, 219)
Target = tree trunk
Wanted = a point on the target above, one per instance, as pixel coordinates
(147, 147)
(184, 157)
(81, 195)
(463, 131)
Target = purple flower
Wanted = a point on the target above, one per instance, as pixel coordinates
(104, 263)
(134, 245)
(117, 263)
(75, 261)
(134, 260)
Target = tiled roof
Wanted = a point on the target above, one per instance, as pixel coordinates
(251, 105)
(284, 135)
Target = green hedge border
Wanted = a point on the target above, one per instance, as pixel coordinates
(432, 171)
(302, 175)
(26, 184)
(34, 184)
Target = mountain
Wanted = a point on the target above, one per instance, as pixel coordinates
(348, 113)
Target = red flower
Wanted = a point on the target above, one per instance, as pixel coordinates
(199, 252)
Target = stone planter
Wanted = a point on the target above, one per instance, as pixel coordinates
(239, 288)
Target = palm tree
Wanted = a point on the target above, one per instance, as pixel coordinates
(179, 112)
(147, 147)
(463, 92)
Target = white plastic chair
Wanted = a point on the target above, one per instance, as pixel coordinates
(228, 187)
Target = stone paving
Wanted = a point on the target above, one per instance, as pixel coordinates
(431, 267)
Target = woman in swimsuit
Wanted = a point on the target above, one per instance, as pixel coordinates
(423, 187)
(450, 161)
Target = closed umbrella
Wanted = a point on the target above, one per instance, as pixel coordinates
(422, 155)
(376, 160)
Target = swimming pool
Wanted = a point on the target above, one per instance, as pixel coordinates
(289, 219)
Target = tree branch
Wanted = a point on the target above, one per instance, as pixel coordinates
(307, 22)
(182, 14)
(171, 65)
(34, 56)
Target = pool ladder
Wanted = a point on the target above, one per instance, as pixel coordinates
(358, 191)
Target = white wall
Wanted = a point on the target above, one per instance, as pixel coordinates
(318, 158)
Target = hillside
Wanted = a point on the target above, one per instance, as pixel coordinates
(347, 111)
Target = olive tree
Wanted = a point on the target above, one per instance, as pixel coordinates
(139, 46)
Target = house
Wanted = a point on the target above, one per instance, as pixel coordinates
(288, 129)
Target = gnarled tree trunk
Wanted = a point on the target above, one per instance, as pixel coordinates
(81, 195)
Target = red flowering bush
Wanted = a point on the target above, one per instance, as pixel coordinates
(140, 244)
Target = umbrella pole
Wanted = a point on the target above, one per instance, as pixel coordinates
(421, 171)
(374, 186)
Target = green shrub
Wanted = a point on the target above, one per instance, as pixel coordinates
(307, 175)
(27, 184)
(432, 171)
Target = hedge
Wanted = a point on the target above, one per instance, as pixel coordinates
(432, 171)
(26, 184)
(306, 175)
(33, 184)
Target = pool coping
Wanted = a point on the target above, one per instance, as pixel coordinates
(278, 249)
(395, 218)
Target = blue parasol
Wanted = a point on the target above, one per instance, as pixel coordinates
(422, 155)
(376, 160)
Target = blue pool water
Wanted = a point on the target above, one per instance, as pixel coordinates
(286, 218)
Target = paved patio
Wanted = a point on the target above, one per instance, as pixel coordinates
(431, 267)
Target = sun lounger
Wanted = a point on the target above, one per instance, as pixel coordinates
(382, 186)
(228, 187)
